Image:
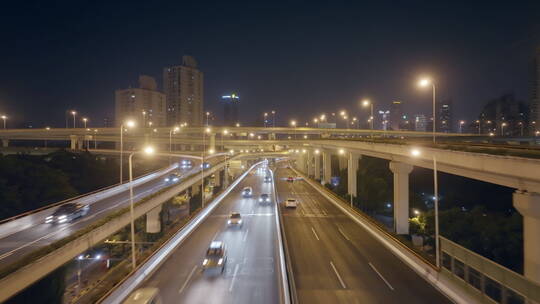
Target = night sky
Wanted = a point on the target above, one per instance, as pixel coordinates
(300, 59)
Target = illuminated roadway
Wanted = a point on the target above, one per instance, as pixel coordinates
(251, 272)
(16, 245)
(335, 260)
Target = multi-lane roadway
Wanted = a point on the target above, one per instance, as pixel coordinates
(38, 234)
(251, 273)
(334, 260)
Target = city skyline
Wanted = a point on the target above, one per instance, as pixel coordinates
(468, 70)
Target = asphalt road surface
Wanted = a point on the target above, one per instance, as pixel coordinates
(337, 261)
(251, 271)
(16, 245)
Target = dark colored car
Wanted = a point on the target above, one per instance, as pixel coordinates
(172, 178)
(67, 213)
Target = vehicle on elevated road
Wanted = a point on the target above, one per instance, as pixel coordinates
(148, 295)
(185, 164)
(291, 203)
(268, 179)
(67, 213)
(235, 219)
(172, 178)
(290, 178)
(247, 192)
(264, 198)
(215, 256)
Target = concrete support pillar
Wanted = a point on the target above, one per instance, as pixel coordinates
(327, 167)
(401, 196)
(309, 163)
(343, 162)
(351, 173)
(74, 142)
(217, 179)
(153, 222)
(5, 142)
(528, 205)
(212, 142)
(226, 178)
(195, 189)
(317, 166)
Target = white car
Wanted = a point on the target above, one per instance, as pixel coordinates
(291, 203)
(147, 295)
(235, 219)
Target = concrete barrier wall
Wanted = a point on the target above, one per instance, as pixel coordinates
(18, 280)
(32, 218)
(440, 281)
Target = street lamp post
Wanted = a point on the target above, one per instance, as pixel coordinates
(293, 123)
(225, 132)
(175, 129)
(207, 130)
(207, 116)
(424, 83)
(417, 153)
(366, 103)
(147, 150)
(4, 118)
(265, 119)
(74, 113)
(521, 128)
(461, 123)
(273, 118)
(502, 128)
(85, 120)
(478, 122)
(129, 124)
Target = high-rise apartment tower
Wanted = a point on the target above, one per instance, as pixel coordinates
(183, 86)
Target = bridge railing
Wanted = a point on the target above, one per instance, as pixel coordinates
(491, 282)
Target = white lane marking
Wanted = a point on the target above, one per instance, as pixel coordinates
(187, 279)
(245, 235)
(343, 234)
(315, 233)
(338, 276)
(3, 256)
(234, 277)
(380, 275)
(215, 235)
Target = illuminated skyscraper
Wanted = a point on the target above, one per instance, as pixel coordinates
(183, 86)
(230, 109)
(444, 121)
(396, 115)
(144, 104)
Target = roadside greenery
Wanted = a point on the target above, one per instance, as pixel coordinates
(474, 214)
(28, 182)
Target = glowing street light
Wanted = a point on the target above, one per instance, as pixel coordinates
(293, 123)
(4, 118)
(424, 83)
(85, 120)
(502, 128)
(461, 123)
(74, 113)
(171, 132)
(129, 124)
(367, 103)
(149, 150)
(416, 153)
